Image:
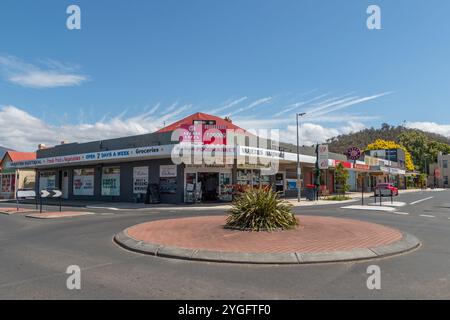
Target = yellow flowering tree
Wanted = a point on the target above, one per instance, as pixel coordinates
(384, 144)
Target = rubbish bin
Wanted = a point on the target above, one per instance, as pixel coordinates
(310, 191)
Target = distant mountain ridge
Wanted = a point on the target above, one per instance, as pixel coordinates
(361, 139)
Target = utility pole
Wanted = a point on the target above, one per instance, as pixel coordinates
(299, 172)
(317, 174)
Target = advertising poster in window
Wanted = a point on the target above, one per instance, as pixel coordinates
(83, 182)
(140, 179)
(47, 181)
(168, 171)
(111, 181)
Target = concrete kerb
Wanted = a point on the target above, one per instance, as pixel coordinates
(407, 243)
(12, 212)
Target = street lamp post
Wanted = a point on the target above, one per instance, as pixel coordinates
(298, 161)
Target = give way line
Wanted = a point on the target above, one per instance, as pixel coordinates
(419, 201)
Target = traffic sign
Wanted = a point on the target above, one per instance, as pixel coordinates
(353, 153)
(51, 193)
(26, 194)
(323, 156)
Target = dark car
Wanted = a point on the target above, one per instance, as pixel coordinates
(385, 189)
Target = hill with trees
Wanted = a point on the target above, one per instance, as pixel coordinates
(423, 146)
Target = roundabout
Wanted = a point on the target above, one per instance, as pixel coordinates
(318, 239)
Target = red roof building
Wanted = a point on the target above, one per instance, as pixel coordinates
(20, 156)
(201, 118)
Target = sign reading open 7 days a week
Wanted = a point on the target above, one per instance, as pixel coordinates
(142, 152)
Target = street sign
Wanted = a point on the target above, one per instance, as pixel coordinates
(51, 193)
(437, 173)
(323, 156)
(353, 153)
(26, 194)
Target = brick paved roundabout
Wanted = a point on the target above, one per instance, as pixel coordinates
(318, 239)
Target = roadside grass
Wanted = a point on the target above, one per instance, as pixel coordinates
(337, 198)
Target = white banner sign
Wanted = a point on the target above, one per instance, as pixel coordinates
(135, 153)
(140, 179)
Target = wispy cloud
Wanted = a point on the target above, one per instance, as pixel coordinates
(252, 105)
(229, 104)
(297, 105)
(23, 131)
(346, 104)
(51, 74)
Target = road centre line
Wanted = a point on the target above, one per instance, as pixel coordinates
(419, 201)
(427, 216)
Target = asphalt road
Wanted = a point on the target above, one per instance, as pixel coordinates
(34, 256)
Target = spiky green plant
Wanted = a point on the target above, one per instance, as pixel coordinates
(261, 210)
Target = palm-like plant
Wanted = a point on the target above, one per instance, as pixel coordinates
(261, 210)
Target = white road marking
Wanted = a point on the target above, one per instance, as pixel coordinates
(419, 201)
(427, 216)
(104, 208)
(370, 208)
(389, 204)
(402, 213)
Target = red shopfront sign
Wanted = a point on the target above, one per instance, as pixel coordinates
(437, 173)
(365, 167)
(346, 164)
(204, 134)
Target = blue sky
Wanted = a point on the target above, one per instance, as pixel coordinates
(136, 64)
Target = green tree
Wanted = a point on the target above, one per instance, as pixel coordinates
(381, 144)
(424, 151)
(341, 176)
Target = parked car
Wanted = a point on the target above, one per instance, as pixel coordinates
(386, 189)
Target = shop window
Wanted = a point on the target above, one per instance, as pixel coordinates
(225, 187)
(8, 183)
(111, 181)
(83, 182)
(47, 180)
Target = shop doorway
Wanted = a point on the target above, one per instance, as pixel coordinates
(209, 185)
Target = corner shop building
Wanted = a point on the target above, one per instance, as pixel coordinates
(120, 169)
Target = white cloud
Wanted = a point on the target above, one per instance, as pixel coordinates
(311, 133)
(442, 129)
(55, 74)
(22, 131)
